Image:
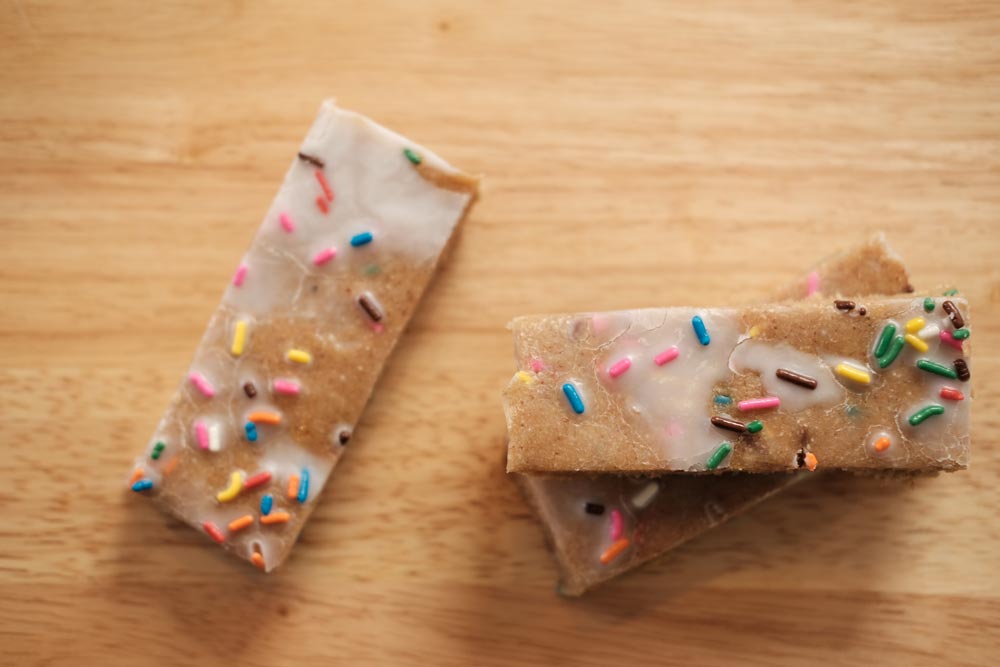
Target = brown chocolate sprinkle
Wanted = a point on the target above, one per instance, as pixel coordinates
(796, 378)
(249, 389)
(843, 304)
(593, 508)
(344, 435)
(800, 458)
(729, 424)
(314, 161)
(908, 288)
(371, 306)
(956, 318)
(862, 311)
(962, 369)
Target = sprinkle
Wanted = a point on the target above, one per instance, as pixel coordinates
(920, 416)
(239, 338)
(812, 283)
(843, 304)
(645, 495)
(142, 485)
(811, 461)
(233, 490)
(412, 156)
(322, 205)
(255, 480)
(314, 161)
(293, 487)
(323, 183)
(961, 334)
(287, 387)
(916, 343)
(948, 338)
(262, 417)
(754, 331)
(614, 551)
(759, 403)
(756, 426)
(667, 355)
(251, 430)
(525, 377)
(700, 331)
(928, 305)
(214, 532)
(951, 394)
(537, 365)
(214, 438)
(915, 325)
(275, 517)
(853, 373)
(286, 223)
(257, 559)
(729, 424)
(299, 356)
(718, 456)
(722, 399)
(862, 311)
(201, 434)
(377, 328)
(324, 256)
(951, 292)
(617, 525)
(620, 367)
(249, 389)
(201, 384)
(239, 524)
(266, 503)
(344, 435)
(371, 306)
(593, 508)
(240, 275)
(962, 370)
(882, 444)
(361, 239)
(573, 397)
(929, 331)
(936, 368)
(303, 493)
(884, 339)
(895, 347)
(796, 378)
(157, 450)
(956, 318)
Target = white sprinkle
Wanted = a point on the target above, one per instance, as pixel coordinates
(645, 496)
(929, 331)
(214, 438)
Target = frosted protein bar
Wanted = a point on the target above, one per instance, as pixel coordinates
(601, 527)
(290, 356)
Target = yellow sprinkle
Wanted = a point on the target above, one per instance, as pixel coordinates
(915, 325)
(233, 490)
(299, 356)
(239, 338)
(525, 377)
(852, 373)
(918, 345)
(754, 331)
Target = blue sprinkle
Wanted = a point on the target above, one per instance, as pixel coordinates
(142, 485)
(303, 486)
(723, 400)
(700, 331)
(361, 239)
(251, 431)
(573, 397)
(266, 503)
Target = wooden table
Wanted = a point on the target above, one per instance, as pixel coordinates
(636, 154)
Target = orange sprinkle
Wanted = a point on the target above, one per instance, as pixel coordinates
(136, 475)
(811, 461)
(882, 444)
(275, 517)
(293, 486)
(257, 560)
(321, 203)
(171, 464)
(241, 523)
(614, 551)
(264, 417)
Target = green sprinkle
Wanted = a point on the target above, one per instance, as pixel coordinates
(884, 339)
(718, 456)
(412, 156)
(921, 415)
(894, 349)
(937, 369)
(372, 270)
(157, 450)
(755, 426)
(929, 304)
(951, 292)
(723, 400)
(961, 334)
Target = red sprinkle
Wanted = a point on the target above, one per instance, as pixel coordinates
(952, 394)
(324, 184)
(256, 480)
(323, 206)
(214, 532)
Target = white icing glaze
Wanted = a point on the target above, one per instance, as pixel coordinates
(766, 358)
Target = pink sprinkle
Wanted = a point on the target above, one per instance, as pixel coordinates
(668, 354)
(286, 223)
(201, 432)
(536, 365)
(617, 525)
(759, 403)
(812, 283)
(377, 327)
(324, 256)
(203, 385)
(240, 276)
(620, 367)
(290, 387)
(948, 339)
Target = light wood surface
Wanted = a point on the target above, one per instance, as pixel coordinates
(642, 153)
